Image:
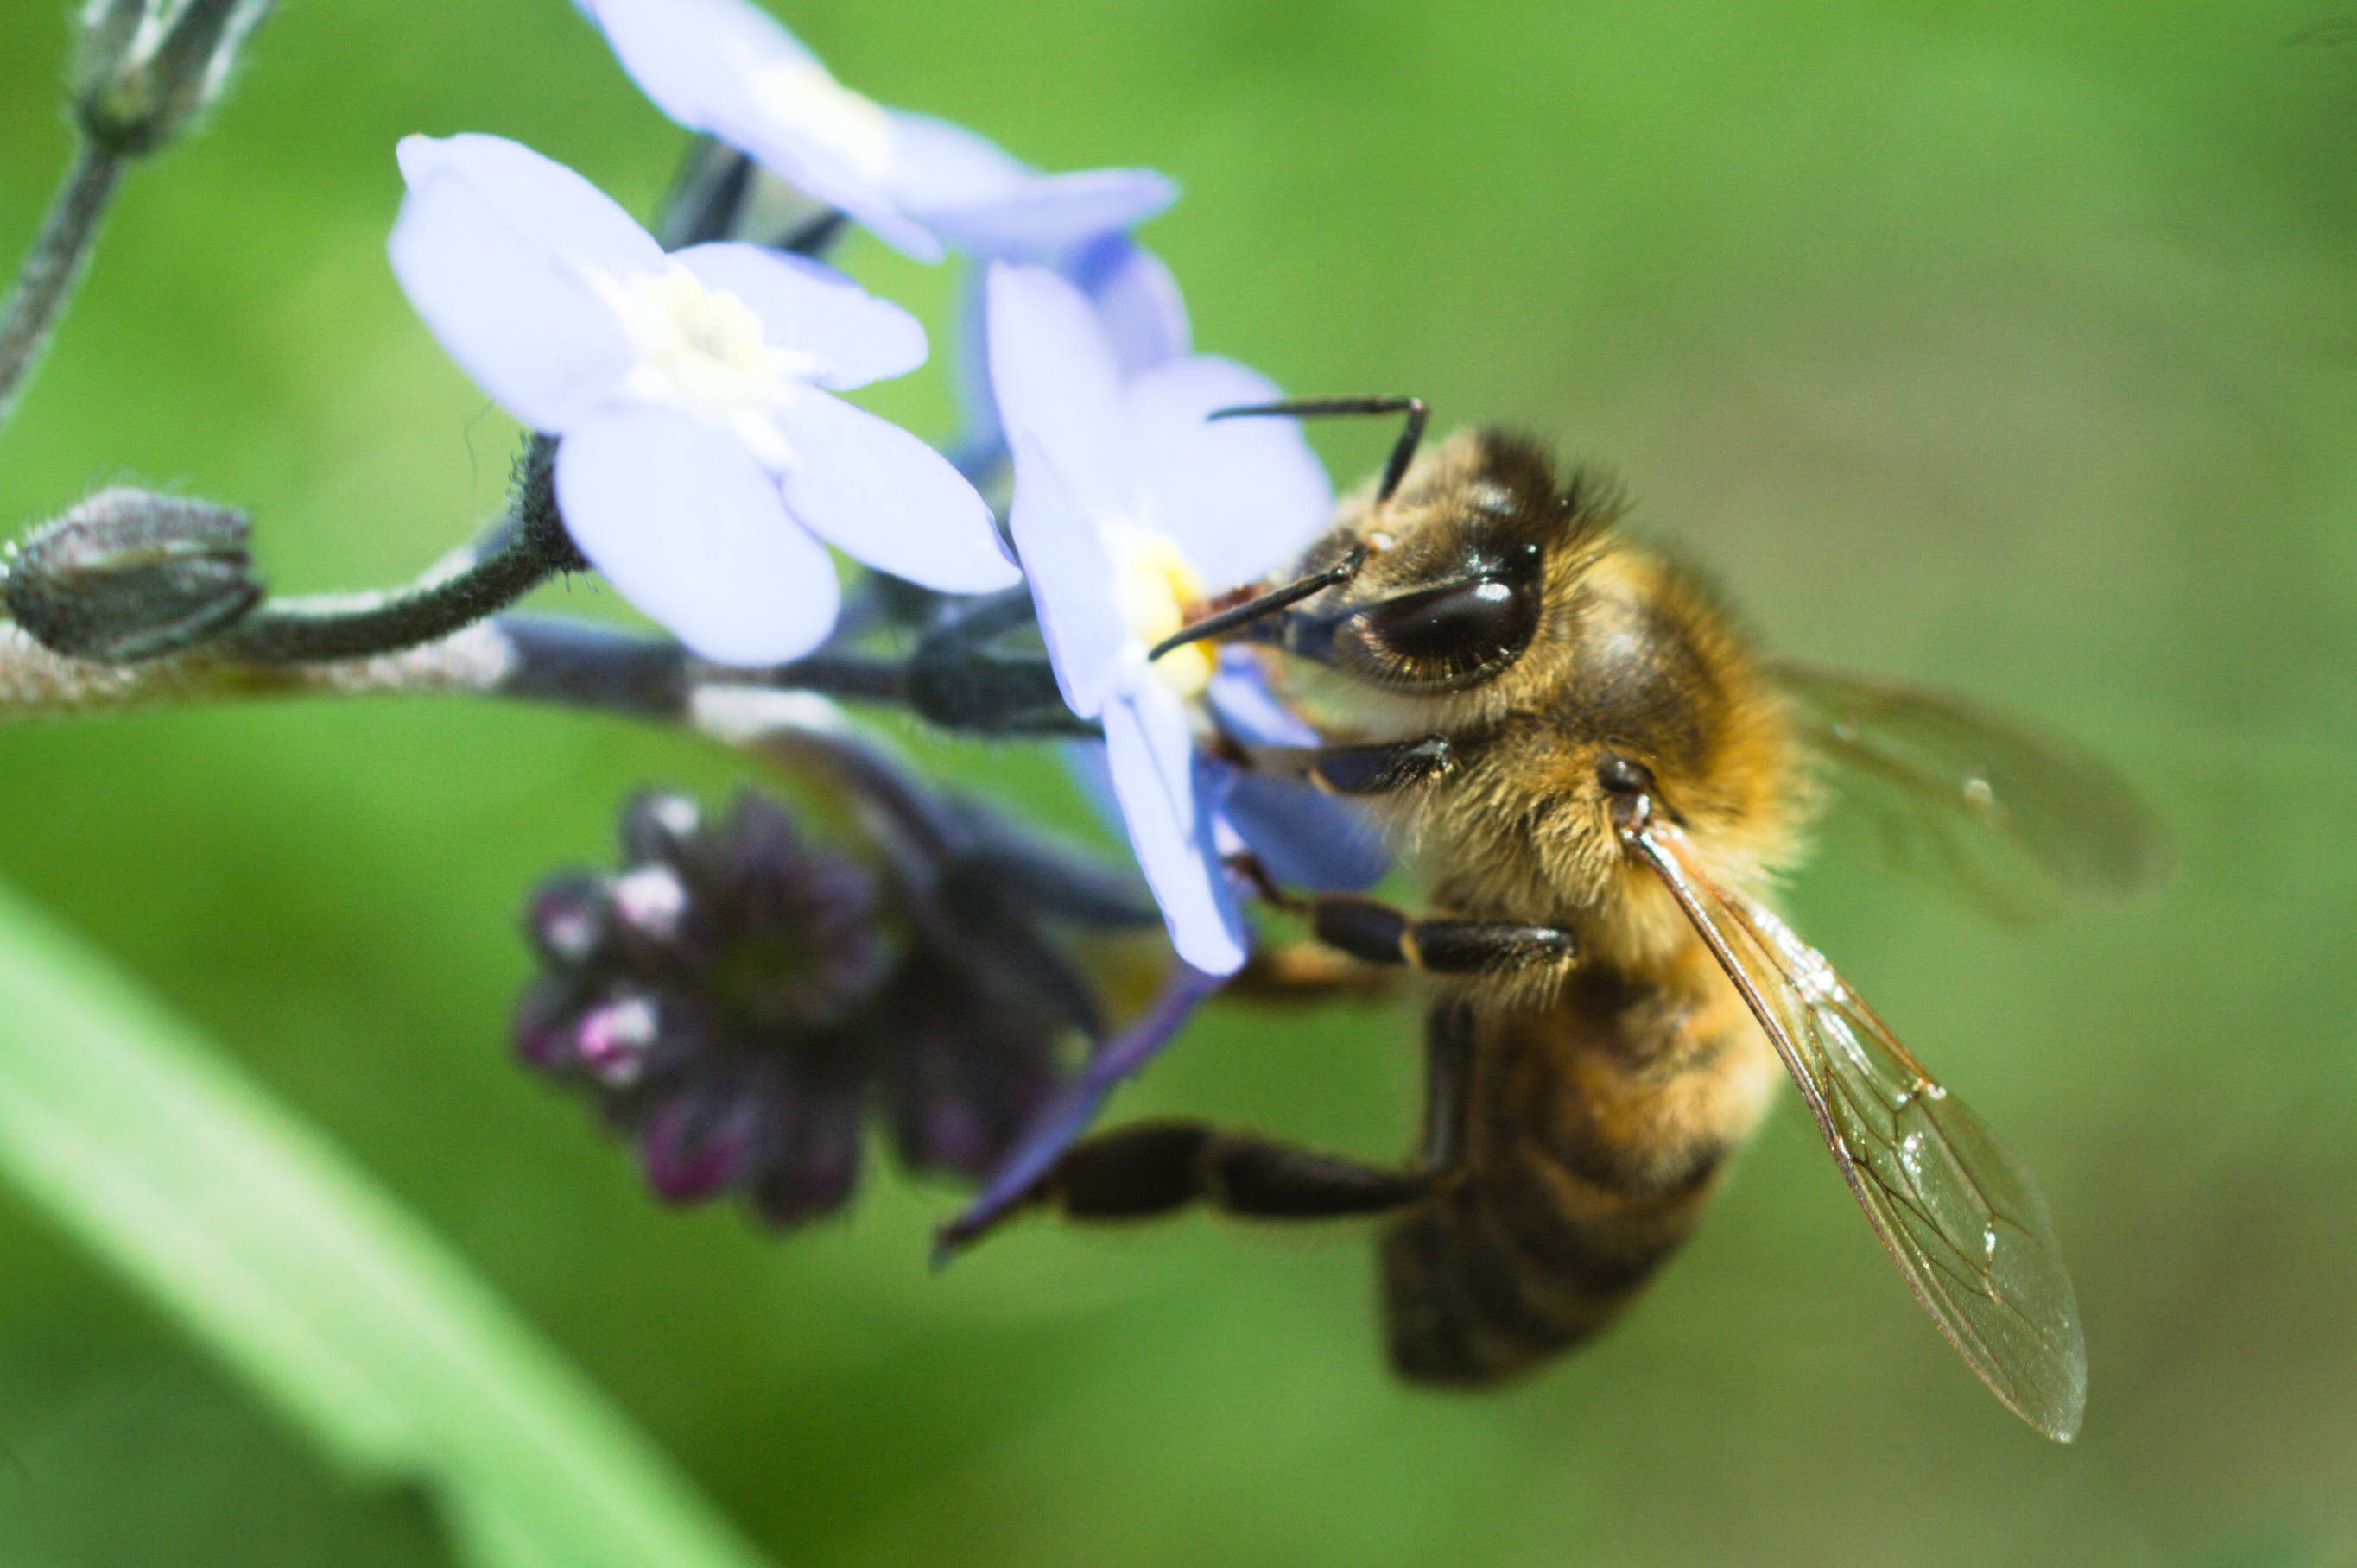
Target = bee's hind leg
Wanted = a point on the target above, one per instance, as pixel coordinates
(1157, 1167)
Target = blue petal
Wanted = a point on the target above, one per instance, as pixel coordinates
(1085, 761)
(1304, 837)
(705, 63)
(540, 200)
(976, 198)
(979, 431)
(1071, 583)
(1052, 213)
(1057, 382)
(807, 305)
(1036, 217)
(1063, 1119)
(936, 164)
(494, 247)
(1153, 758)
(881, 496)
(1247, 709)
(1239, 496)
(1136, 298)
(1055, 212)
(684, 524)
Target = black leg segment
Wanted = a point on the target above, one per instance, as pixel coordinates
(1157, 1167)
(1381, 770)
(1379, 933)
(1403, 450)
(1364, 770)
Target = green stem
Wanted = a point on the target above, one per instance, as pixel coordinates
(54, 265)
(526, 549)
(336, 627)
(545, 659)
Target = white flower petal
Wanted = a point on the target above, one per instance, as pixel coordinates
(1239, 496)
(1049, 214)
(810, 308)
(938, 164)
(693, 56)
(686, 526)
(543, 202)
(1073, 581)
(728, 68)
(1054, 372)
(1153, 761)
(881, 496)
(1137, 298)
(501, 287)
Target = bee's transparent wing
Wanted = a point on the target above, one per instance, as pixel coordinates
(2008, 813)
(1963, 1222)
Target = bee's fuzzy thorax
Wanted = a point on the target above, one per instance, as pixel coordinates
(1630, 655)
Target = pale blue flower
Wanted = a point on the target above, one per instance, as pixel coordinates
(1130, 504)
(726, 68)
(702, 467)
(1136, 301)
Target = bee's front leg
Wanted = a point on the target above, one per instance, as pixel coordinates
(1362, 770)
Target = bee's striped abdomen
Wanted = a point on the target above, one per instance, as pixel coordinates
(1585, 1137)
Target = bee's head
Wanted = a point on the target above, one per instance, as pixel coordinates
(1451, 576)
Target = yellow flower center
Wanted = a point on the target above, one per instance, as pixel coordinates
(801, 95)
(1152, 585)
(701, 348)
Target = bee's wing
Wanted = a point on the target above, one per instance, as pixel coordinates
(2012, 815)
(1962, 1222)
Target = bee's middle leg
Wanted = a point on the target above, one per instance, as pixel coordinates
(1377, 933)
(1157, 1167)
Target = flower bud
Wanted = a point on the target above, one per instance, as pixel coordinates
(706, 1138)
(148, 68)
(130, 575)
(566, 920)
(817, 1165)
(660, 824)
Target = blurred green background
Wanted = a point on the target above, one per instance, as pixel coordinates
(2006, 346)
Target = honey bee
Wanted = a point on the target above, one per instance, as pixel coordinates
(1599, 780)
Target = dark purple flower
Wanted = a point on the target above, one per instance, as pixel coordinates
(734, 998)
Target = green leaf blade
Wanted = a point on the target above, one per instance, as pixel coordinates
(335, 1303)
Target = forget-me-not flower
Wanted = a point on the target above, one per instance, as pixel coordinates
(727, 68)
(1129, 506)
(1136, 301)
(702, 459)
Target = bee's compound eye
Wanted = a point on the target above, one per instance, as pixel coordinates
(1445, 623)
(1451, 632)
(1622, 775)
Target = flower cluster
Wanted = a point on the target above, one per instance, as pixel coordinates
(735, 998)
(704, 463)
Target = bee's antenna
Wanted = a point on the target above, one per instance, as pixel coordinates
(1403, 450)
(1293, 593)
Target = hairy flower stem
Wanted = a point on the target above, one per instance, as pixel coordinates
(488, 578)
(54, 265)
(525, 550)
